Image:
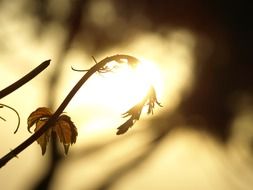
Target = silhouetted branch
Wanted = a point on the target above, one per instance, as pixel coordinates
(6, 91)
(118, 58)
(24, 79)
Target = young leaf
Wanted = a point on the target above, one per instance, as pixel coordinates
(135, 112)
(37, 115)
(44, 138)
(66, 131)
(125, 126)
(63, 127)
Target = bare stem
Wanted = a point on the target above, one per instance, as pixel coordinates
(118, 58)
(24, 79)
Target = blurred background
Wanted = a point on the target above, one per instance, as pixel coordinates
(197, 54)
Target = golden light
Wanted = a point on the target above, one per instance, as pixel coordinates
(128, 85)
(106, 96)
(167, 61)
(98, 106)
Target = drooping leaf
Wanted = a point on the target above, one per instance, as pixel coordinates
(135, 112)
(44, 138)
(63, 127)
(37, 115)
(66, 131)
(125, 126)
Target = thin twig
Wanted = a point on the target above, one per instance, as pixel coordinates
(6, 91)
(4, 105)
(2, 118)
(24, 79)
(118, 58)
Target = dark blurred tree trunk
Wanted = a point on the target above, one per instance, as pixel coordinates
(72, 28)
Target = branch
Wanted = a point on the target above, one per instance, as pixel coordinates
(132, 61)
(6, 91)
(24, 79)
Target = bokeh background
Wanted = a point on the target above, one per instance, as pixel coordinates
(198, 54)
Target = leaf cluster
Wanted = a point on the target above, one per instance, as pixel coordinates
(64, 128)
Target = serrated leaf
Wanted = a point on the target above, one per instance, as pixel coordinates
(135, 112)
(63, 127)
(125, 126)
(66, 131)
(37, 115)
(44, 138)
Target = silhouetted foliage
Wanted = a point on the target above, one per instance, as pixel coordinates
(221, 76)
(48, 123)
(135, 112)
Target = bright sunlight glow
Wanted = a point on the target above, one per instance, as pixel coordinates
(124, 86)
(106, 96)
(103, 99)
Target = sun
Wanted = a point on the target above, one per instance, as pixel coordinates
(127, 85)
(106, 96)
(123, 84)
